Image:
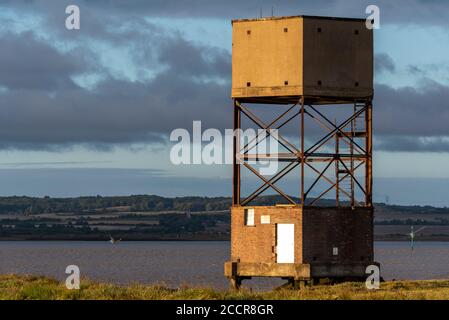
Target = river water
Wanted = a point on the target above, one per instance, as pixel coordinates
(182, 263)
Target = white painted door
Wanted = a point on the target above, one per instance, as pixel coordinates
(285, 243)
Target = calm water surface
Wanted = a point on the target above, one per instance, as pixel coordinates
(189, 263)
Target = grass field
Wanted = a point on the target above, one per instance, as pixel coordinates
(41, 288)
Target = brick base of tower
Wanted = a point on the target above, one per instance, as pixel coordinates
(329, 242)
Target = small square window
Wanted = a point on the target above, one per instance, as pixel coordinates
(356, 32)
(286, 82)
(319, 30)
(356, 84)
(319, 82)
(285, 29)
(249, 217)
(248, 84)
(248, 32)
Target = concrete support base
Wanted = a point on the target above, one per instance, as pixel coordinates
(298, 275)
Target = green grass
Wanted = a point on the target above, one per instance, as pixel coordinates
(13, 287)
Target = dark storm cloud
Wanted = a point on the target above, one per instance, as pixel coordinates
(412, 111)
(116, 111)
(415, 70)
(412, 144)
(434, 12)
(44, 109)
(185, 58)
(411, 11)
(384, 63)
(27, 63)
(122, 112)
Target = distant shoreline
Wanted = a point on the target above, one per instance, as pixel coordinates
(436, 239)
(154, 218)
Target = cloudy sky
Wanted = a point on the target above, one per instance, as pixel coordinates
(89, 111)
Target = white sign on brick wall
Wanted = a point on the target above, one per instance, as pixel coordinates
(335, 251)
(265, 219)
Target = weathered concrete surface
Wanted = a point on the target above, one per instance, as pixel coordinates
(295, 271)
(302, 56)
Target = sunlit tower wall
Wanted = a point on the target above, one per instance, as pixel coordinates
(316, 73)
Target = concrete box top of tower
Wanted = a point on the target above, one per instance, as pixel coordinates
(280, 59)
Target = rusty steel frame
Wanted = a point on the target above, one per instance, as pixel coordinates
(346, 164)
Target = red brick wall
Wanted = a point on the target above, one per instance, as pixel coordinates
(349, 230)
(317, 231)
(256, 244)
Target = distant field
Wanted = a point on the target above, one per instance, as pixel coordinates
(188, 218)
(142, 225)
(40, 288)
(170, 225)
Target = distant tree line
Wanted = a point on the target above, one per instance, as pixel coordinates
(416, 222)
(140, 203)
(134, 203)
(137, 203)
(172, 225)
